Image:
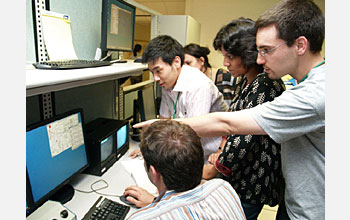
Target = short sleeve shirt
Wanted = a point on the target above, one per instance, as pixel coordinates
(296, 119)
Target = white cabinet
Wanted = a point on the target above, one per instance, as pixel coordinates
(183, 28)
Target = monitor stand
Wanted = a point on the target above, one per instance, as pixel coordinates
(64, 194)
(136, 119)
(136, 134)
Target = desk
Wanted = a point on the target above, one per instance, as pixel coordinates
(40, 81)
(117, 177)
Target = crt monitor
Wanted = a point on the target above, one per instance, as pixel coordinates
(106, 141)
(122, 136)
(118, 26)
(55, 153)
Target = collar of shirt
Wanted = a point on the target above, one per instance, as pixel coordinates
(185, 79)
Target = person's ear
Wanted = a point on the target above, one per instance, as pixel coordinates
(301, 45)
(177, 62)
(202, 60)
(155, 174)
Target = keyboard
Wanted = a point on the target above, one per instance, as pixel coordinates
(106, 209)
(70, 64)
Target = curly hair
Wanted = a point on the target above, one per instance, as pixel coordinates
(175, 151)
(238, 38)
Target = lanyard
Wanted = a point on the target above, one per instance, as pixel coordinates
(305, 77)
(175, 103)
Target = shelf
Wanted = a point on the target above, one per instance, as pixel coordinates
(40, 81)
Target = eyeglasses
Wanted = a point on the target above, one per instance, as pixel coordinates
(265, 51)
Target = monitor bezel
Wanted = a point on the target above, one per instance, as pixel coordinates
(104, 23)
(29, 197)
(34, 205)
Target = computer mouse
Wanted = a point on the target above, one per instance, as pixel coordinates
(64, 213)
(123, 199)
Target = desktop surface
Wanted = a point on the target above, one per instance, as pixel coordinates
(117, 177)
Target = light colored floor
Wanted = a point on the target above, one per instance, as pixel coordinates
(268, 213)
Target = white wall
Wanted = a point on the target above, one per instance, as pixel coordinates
(212, 15)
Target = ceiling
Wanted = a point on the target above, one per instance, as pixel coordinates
(166, 7)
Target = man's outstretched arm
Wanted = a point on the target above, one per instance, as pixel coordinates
(224, 123)
(219, 124)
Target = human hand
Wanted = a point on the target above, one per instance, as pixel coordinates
(135, 153)
(209, 171)
(138, 196)
(213, 157)
(144, 124)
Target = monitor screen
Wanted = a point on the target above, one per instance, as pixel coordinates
(106, 148)
(122, 135)
(118, 25)
(55, 152)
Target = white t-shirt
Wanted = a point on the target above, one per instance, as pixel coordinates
(198, 96)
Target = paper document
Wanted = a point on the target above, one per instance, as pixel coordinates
(57, 35)
(136, 168)
(64, 134)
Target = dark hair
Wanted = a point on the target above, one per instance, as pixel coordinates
(198, 52)
(238, 38)
(164, 47)
(295, 18)
(175, 151)
(137, 48)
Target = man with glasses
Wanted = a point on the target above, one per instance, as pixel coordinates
(289, 41)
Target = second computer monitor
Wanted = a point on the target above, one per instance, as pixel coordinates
(118, 25)
(55, 153)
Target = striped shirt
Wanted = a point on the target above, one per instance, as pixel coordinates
(213, 199)
(198, 96)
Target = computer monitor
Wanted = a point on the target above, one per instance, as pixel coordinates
(118, 26)
(55, 153)
(106, 141)
(147, 103)
(144, 105)
(129, 98)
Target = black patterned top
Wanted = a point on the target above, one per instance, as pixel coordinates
(252, 163)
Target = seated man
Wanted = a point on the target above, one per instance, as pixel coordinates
(174, 161)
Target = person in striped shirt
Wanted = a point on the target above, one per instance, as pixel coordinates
(172, 152)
